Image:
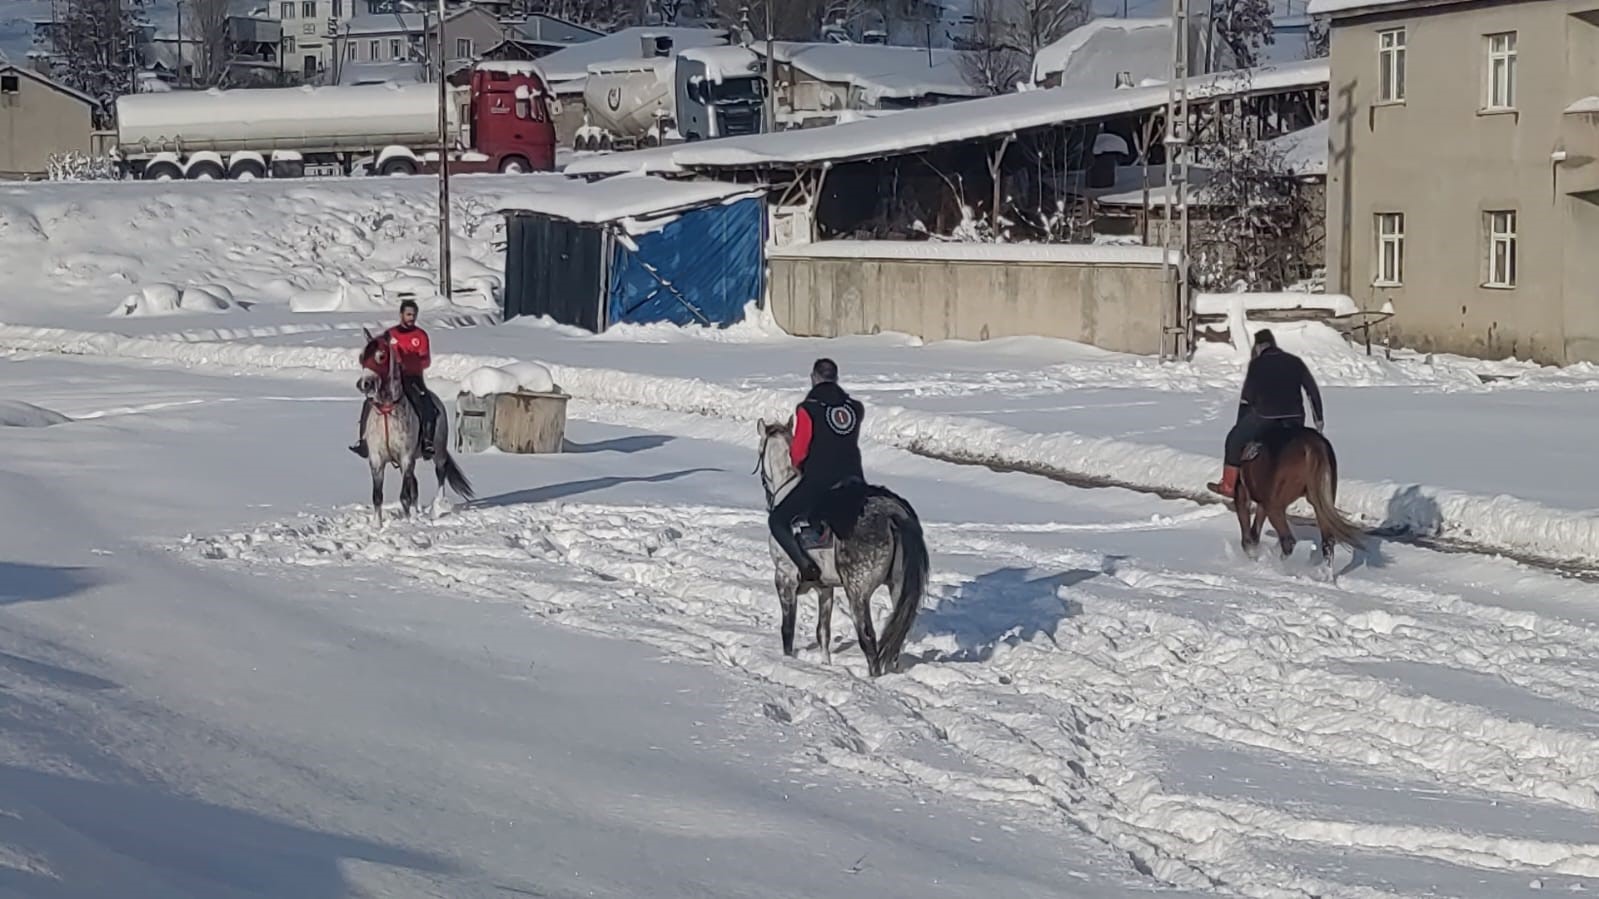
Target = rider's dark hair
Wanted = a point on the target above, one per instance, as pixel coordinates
(408, 304)
(825, 369)
(1264, 337)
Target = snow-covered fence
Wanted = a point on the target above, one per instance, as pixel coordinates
(1108, 296)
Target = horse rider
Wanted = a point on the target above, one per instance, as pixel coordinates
(826, 450)
(409, 342)
(1271, 399)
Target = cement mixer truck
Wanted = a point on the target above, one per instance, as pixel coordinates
(498, 122)
(700, 93)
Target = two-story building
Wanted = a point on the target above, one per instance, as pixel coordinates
(1463, 172)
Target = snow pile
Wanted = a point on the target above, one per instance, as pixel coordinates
(1092, 54)
(878, 71)
(73, 251)
(1303, 152)
(1584, 105)
(17, 414)
(1504, 523)
(168, 299)
(514, 377)
(1334, 304)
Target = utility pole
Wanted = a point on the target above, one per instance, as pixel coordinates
(1177, 321)
(181, 78)
(771, 74)
(444, 163)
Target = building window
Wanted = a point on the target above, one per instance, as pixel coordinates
(1501, 248)
(308, 9)
(10, 84)
(286, 11)
(395, 48)
(288, 45)
(372, 50)
(338, 9)
(350, 50)
(1390, 249)
(463, 48)
(1501, 71)
(1391, 66)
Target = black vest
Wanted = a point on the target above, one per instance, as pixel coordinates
(835, 452)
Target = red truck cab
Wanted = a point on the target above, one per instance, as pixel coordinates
(509, 114)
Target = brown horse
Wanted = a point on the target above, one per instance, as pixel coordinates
(1291, 464)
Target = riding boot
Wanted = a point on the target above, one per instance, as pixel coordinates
(360, 448)
(1228, 486)
(809, 571)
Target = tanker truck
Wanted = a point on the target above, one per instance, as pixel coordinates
(498, 122)
(700, 93)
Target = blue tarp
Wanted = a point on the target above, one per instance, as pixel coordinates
(703, 268)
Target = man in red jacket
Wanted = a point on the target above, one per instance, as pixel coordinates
(826, 450)
(410, 344)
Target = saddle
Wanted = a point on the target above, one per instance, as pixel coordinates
(1272, 440)
(819, 537)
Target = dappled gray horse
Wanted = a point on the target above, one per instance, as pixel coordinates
(393, 431)
(883, 546)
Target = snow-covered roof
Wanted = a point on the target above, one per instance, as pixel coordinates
(572, 64)
(392, 23)
(382, 72)
(915, 129)
(882, 72)
(1091, 55)
(615, 199)
(48, 82)
(1304, 152)
(722, 63)
(1344, 7)
(918, 129)
(1335, 304)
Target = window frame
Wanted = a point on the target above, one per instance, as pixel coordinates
(1497, 236)
(1492, 58)
(1392, 50)
(1383, 277)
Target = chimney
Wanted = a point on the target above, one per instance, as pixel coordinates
(1124, 80)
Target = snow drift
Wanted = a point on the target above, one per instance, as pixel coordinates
(17, 414)
(1503, 523)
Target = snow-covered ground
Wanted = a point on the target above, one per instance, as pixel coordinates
(573, 686)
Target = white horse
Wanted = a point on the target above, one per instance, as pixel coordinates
(883, 545)
(393, 433)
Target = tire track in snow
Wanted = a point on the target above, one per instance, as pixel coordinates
(1022, 695)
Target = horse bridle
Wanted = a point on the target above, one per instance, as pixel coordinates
(766, 482)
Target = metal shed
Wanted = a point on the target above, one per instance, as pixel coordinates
(634, 249)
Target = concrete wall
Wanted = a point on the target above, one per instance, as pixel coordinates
(1442, 161)
(1113, 305)
(37, 121)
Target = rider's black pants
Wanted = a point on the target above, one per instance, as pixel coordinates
(801, 502)
(1252, 427)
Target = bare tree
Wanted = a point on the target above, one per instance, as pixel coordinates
(1009, 34)
(97, 49)
(1244, 28)
(207, 24)
(1319, 38)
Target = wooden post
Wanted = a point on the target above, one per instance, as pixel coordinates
(529, 422)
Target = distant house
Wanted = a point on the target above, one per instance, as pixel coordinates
(818, 84)
(39, 118)
(538, 36)
(406, 37)
(1463, 191)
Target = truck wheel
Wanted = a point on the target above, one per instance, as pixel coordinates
(205, 170)
(162, 171)
(514, 165)
(398, 165)
(247, 170)
(605, 142)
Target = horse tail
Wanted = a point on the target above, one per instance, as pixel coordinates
(1321, 489)
(451, 473)
(911, 559)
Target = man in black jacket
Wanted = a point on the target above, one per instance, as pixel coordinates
(826, 450)
(1271, 399)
